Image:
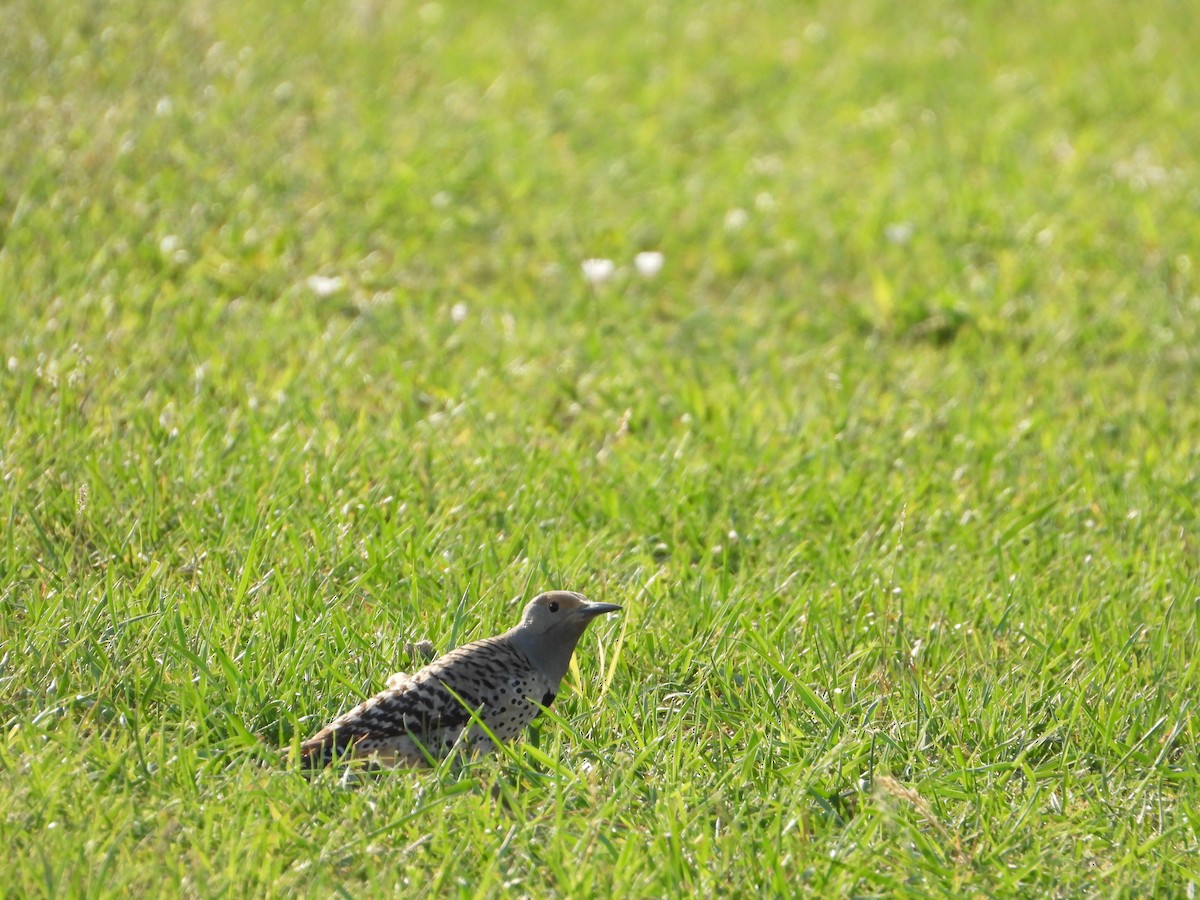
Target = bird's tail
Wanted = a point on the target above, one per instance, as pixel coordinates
(322, 749)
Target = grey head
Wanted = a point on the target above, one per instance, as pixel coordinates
(551, 626)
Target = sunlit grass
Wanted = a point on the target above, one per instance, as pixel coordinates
(891, 456)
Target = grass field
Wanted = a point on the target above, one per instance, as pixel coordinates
(894, 466)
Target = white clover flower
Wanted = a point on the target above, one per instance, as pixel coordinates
(324, 286)
(736, 219)
(648, 263)
(172, 249)
(899, 233)
(598, 271)
(458, 313)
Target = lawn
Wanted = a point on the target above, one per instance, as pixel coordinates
(894, 467)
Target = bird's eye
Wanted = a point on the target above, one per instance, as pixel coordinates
(553, 606)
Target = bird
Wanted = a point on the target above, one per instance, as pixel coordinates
(502, 681)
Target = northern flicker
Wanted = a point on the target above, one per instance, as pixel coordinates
(418, 718)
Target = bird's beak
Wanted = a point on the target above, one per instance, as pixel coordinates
(590, 610)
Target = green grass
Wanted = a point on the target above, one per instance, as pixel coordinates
(894, 467)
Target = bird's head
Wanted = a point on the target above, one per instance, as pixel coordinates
(561, 612)
(550, 628)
